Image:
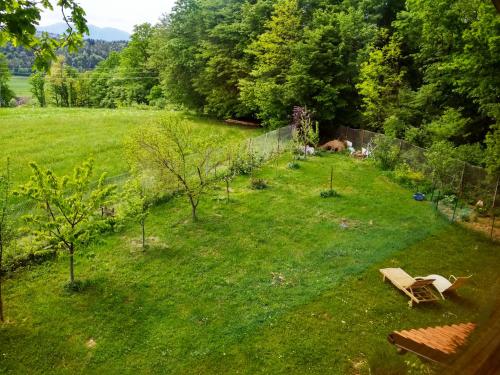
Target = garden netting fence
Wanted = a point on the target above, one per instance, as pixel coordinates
(262, 147)
(461, 185)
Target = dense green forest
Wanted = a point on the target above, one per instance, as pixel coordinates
(423, 70)
(20, 60)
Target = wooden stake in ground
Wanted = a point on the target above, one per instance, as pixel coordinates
(331, 179)
(227, 188)
(459, 195)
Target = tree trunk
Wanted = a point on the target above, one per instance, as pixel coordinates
(193, 211)
(194, 205)
(71, 264)
(1, 301)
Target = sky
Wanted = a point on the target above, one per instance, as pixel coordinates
(120, 14)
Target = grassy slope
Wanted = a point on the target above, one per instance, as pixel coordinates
(59, 138)
(205, 301)
(20, 85)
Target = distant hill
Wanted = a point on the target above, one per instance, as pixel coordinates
(108, 34)
(20, 60)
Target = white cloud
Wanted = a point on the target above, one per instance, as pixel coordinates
(121, 14)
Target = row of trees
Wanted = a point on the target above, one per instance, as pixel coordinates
(123, 79)
(425, 71)
(70, 210)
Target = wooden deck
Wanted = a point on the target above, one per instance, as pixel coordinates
(435, 343)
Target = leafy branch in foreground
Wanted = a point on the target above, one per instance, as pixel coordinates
(68, 208)
(18, 21)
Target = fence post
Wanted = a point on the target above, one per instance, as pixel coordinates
(331, 179)
(459, 195)
(493, 208)
(279, 138)
(362, 138)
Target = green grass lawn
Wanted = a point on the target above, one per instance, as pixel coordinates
(60, 138)
(21, 86)
(269, 283)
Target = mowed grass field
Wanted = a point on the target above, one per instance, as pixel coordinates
(268, 283)
(61, 138)
(21, 86)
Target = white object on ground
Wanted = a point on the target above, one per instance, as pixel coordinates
(348, 143)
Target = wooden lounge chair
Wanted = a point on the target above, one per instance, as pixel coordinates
(417, 290)
(439, 344)
(444, 285)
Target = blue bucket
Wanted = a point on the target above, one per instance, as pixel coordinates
(419, 197)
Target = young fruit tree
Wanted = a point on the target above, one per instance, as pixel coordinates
(137, 205)
(6, 230)
(69, 208)
(181, 159)
(305, 132)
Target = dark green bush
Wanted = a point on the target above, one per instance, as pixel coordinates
(258, 184)
(293, 165)
(329, 193)
(12, 263)
(385, 152)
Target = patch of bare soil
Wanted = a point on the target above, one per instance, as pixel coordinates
(483, 224)
(135, 244)
(478, 223)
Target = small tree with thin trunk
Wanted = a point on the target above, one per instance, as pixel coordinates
(6, 229)
(68, 214)
(305, 132)
(181, 158)
(137, 205)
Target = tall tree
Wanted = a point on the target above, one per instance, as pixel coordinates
(265, 90)
(136, 73)
(326, 64)
(37, 82)
(62, 83)
(175, 47)
(381, 80)
(6, 94)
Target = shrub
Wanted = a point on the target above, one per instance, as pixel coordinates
(258, 184)
(449, 199)
(328, 193)
(300, 157)
(465, 214)
(245, 163)
(293, 165)
(385, 152)
(445, 169)
(14, 262)
(407, 176)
